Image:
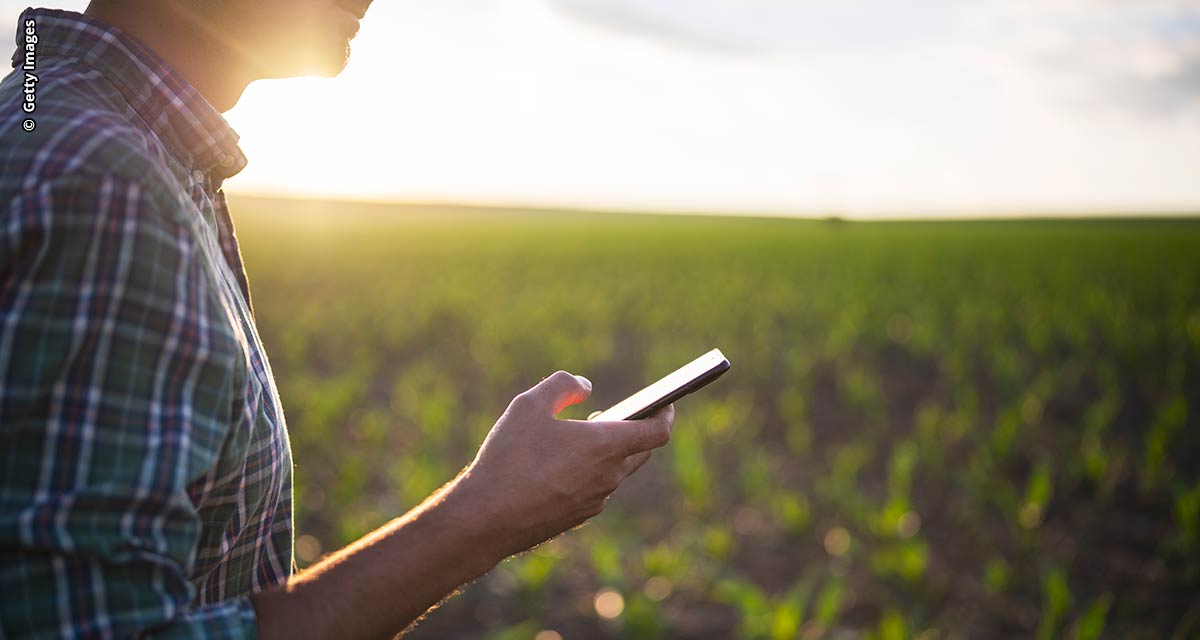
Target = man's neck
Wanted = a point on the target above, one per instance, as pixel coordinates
(184, 42)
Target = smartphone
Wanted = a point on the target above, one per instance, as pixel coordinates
(673, 386)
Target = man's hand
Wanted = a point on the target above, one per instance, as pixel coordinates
(536, 476)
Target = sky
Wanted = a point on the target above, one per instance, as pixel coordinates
(805, 107)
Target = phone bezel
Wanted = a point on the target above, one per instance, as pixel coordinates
(695, 384)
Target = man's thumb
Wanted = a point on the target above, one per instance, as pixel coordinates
(561, 390)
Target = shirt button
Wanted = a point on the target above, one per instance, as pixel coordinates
(198, 175)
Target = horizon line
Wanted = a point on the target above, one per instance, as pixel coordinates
(900, 215)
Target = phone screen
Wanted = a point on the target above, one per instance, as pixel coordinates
(673, 386)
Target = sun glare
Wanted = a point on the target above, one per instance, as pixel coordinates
(523, 102)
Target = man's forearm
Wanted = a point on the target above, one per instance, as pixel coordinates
(534, 477)
(379, 585)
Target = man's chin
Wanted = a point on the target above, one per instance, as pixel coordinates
(326, 64)
(333, 65)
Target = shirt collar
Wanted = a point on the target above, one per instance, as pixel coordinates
(192, 129)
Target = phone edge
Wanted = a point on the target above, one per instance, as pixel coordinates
(708, 378)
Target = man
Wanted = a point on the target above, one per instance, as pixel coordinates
(145, 473)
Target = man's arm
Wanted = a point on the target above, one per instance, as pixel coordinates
(114, 396)
(103, 366)
(534, 478)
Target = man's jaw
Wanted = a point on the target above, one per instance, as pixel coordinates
(357, 8)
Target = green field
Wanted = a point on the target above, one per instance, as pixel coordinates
(934, 429)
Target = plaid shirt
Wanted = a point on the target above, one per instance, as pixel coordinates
(145, 472)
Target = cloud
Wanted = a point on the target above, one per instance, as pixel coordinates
(1174, 90)
(631, 21)
(1143, 58)
(778, 27)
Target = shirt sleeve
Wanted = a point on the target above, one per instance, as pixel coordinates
(110, 398)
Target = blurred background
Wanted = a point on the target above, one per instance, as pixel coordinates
(811, 107)
(950, 248)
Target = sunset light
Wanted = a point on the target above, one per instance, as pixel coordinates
(995, 107)
(612, 319)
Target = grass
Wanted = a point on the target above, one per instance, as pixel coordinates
(956, 429)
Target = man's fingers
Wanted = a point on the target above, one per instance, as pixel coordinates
(635, 436)
(560, 390)
(634, 462)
